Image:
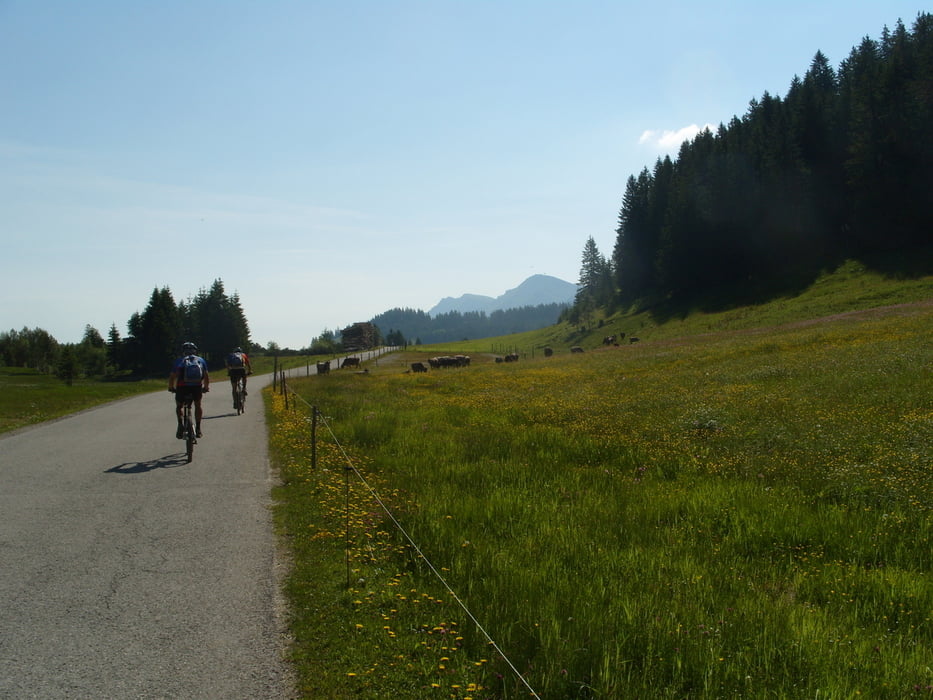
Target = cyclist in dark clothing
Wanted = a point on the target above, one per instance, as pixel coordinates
(189, 377)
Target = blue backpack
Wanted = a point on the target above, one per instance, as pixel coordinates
(191, 371)
(235, 359)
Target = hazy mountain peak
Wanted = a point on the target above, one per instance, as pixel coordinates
(537, 289)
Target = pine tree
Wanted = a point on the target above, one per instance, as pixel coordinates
(215, 322)
(592, 272)
(157, 333)
(115, 351)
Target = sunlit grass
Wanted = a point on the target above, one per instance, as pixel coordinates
(740, 514)
(28, 397)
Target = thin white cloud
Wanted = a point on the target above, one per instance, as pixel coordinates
(668, 140)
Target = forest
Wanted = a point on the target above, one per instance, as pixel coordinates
(841, 167)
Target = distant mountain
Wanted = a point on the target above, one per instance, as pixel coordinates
(534, 291)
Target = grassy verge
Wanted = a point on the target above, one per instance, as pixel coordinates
(737, 513)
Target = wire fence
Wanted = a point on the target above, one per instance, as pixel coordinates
(335, 362)
(291, 398)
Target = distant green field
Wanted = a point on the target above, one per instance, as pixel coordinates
(28, 397)
(739, 505)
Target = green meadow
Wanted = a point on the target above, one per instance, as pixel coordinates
(28, 397)
(736, 510)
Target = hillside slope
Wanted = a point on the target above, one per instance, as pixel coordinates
(850, 287)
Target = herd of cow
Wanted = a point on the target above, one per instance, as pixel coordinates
(511, 357)
(442, 362)
(324, 367)
(614, 340)
(464, 360)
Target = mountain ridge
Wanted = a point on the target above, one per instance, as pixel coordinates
(535, 290)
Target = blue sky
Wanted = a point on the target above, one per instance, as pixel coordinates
(332, 160)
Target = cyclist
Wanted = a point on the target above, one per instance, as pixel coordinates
(189, 377)
(238, 365)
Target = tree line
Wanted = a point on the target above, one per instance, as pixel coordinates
(841, 167)
(410, 326)
(212, 319)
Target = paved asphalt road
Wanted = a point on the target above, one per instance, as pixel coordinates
(126, 572)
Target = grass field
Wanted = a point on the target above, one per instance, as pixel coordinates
(733, 513)
(28, 397)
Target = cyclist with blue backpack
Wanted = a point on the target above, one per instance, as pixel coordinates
(189, 378)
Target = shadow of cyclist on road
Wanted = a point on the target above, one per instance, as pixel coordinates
(167, 462)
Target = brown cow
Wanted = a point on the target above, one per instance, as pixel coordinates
(548, 351)
(323, 367)
(418, 367)
(350, 362)
(576, 348)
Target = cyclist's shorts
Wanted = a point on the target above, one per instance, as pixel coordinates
(186, 394)
(235, 372)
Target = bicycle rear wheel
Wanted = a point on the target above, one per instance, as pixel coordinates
(240, 397)
(190, 438)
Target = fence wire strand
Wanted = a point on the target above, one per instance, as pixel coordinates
(413, 544)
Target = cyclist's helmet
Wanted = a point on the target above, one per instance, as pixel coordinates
(189, 348)
(237, 350)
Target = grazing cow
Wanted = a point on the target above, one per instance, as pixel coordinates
(323, 367)
(512, 357)
(418, 367)
(609, 340)
(548, 352)
(499, 359)
(576, 348)
(449, 361)
(350, 362)
(633, 339)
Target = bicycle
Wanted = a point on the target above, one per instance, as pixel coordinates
(239, 395)
(188, 429)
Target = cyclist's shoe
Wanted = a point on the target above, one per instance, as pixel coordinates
(245, 392)
(198, 433)
(180, 433)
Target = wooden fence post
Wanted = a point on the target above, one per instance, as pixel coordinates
(314, 437)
